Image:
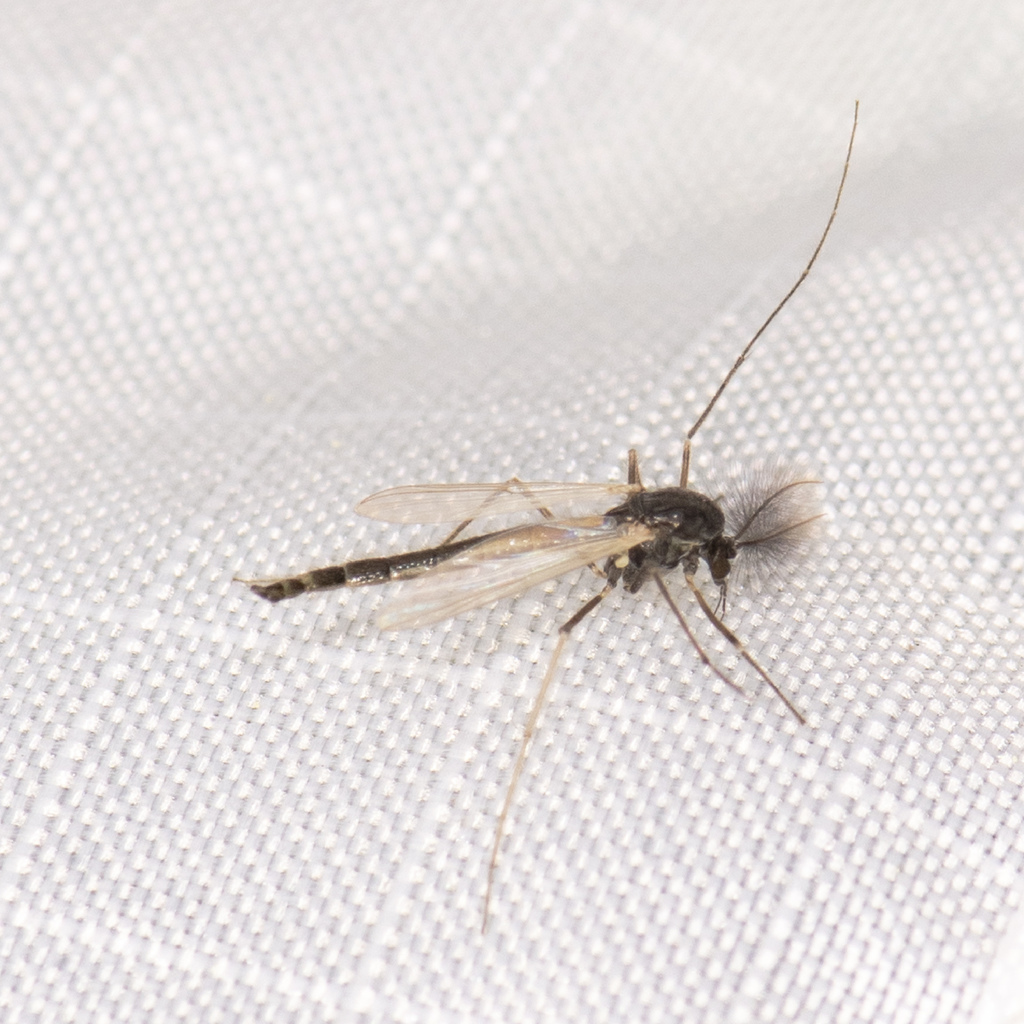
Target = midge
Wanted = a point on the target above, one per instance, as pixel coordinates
(643, 536)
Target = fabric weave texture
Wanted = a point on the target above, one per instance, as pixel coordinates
(258, 261)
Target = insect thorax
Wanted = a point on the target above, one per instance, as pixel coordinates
(690, 516)
(688, 527)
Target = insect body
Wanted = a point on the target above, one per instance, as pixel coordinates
(649, 533)
(686, 528)
(646, 534)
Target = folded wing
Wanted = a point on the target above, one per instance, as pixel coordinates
(453, 503)
(505, 565)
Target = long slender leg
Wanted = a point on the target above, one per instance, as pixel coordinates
(633, 473)
(684, 469)
(531, 724)
(684, 472)
(701, 653)
(738, 644)
(778, 309)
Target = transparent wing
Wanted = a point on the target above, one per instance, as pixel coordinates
(452, 503)
(506, 564)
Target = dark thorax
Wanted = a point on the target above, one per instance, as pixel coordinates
(689, 526)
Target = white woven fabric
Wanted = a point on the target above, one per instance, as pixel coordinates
(259, 262)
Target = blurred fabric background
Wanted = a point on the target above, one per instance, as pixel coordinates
(260, 260)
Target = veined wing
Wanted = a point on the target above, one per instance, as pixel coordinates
(452, 503)
(506, 564)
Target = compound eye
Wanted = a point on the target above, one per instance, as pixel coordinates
(720, 558)
(720, 568)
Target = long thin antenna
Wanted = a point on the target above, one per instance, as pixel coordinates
(799, 281)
